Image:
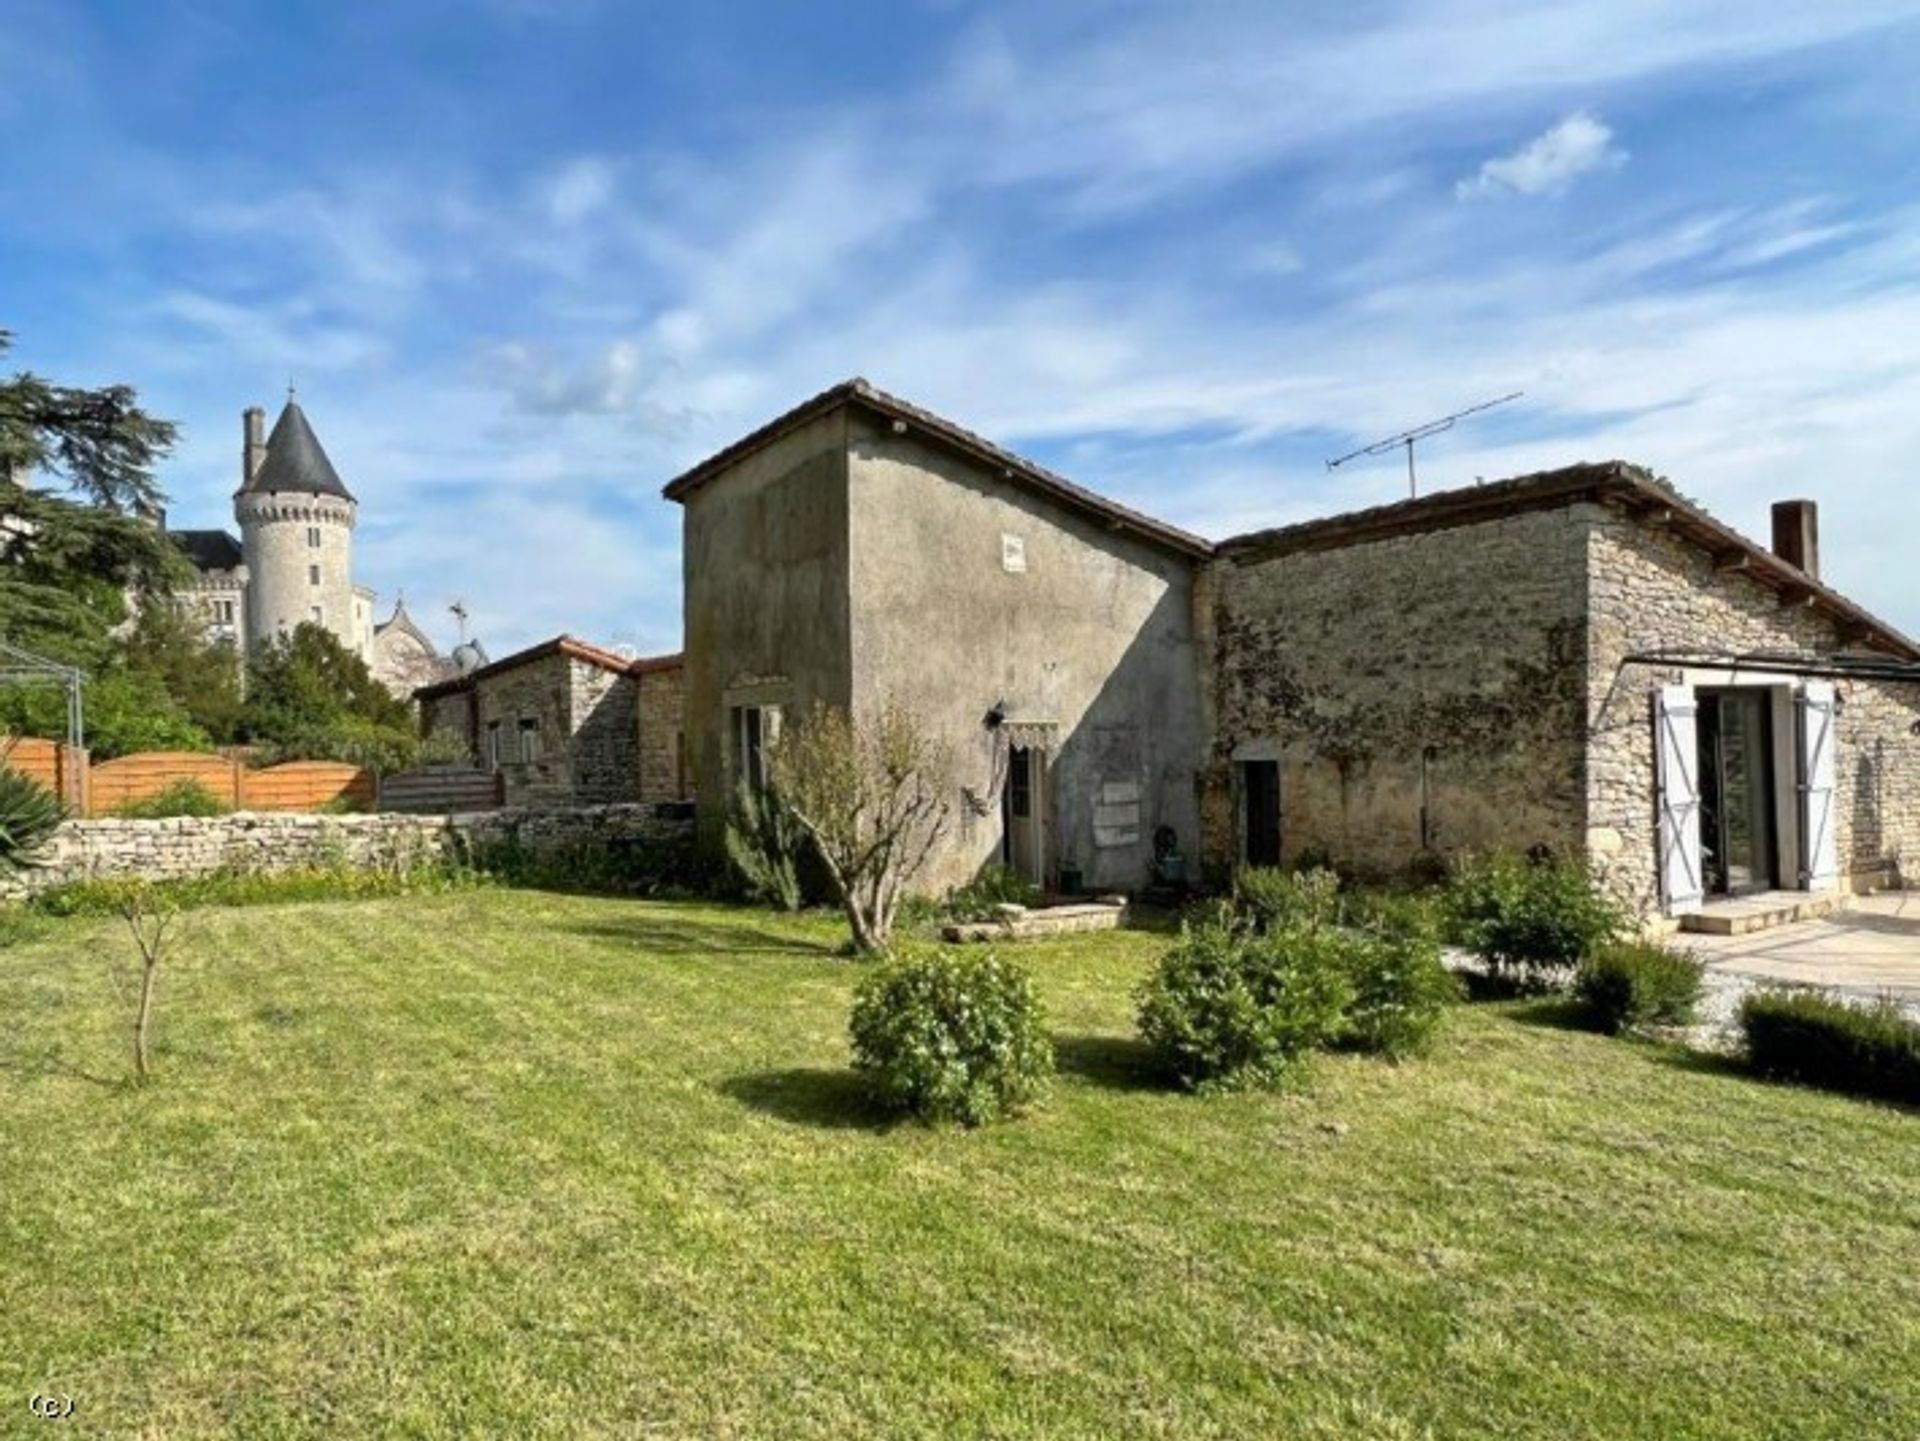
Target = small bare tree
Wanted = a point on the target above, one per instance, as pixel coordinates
(875, 795)
(149, 916)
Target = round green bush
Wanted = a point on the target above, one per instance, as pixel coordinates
(1227, 1008)
(1531, 921)
(1268, 899)
(1401, 988)
(951, 1036)
(1636, 983)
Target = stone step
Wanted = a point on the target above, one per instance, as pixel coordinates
(1762, 912)
(1018, 923)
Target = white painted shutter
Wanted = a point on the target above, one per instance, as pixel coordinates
(1677, 763)
(1819, 849)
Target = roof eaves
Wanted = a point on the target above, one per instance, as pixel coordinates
(974, 446)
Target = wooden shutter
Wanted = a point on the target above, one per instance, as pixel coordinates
(1677, 764)
(1819, 848)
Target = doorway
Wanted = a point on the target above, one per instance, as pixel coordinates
(1739, 842)
(1023, 847)
(1260, 812)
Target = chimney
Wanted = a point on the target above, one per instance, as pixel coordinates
(253, 449)
(1796, 534)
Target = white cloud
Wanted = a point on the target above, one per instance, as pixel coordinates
(577, 191)
(1548, 163)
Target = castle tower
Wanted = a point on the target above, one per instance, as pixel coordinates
(296, 531)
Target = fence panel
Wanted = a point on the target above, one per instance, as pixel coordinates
(305, 786)
(440, 790)
(113, 785)
(54, 764)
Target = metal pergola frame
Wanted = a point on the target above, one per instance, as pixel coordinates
(23, 667)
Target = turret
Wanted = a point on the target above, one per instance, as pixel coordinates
(296, 529)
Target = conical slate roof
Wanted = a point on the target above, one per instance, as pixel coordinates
(294, 461)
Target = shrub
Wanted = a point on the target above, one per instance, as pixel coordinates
(1802, 1036)
(1401, 991)
(1227, 1008)
(1412, 915)
(1630, 984)
(667, 865)
(1268, 900)
(184, 797)
(29, 812)
(235, 886)
(995, 886)
(1531, 921)
(764, 843)
(951, 1036)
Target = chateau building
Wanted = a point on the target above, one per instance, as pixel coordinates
(293, 562)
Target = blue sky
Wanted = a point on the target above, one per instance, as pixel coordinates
(529, 258)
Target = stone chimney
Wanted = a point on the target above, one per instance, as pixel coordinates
(253, 449)
(1796, 534)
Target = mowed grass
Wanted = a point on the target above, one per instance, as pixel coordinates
(518, 1165)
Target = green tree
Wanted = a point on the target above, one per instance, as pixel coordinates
(308, 696)
(75, 569)
(99, 442)
(202, 675)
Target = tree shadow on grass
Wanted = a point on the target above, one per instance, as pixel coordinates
(51, 1063)
(1560, 1013)
(1114, 1063)
(829, 1099)
(1703, 1062)
(663, 937)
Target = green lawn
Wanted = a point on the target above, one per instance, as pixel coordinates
(516, 1165)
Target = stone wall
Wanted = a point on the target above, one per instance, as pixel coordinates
(603, 751)
(263, 842)
(663, 758)
(1421, 693)
(1651, 591)
(539, 691)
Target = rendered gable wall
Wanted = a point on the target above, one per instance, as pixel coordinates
(970, 590)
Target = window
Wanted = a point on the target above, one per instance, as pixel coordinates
(529, 739)
(313, 575)
(319, 616)
(493, 745)
(223, 612)
(313, 537)
(754, 729)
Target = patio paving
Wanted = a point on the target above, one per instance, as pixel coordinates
(1871, 948)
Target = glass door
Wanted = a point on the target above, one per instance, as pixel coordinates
(1737, 841)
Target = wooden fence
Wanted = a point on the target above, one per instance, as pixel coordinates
(441, 790)
(105, 788)
(56, 765)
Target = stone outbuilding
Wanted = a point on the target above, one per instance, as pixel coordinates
(1580, 661)
(860, 549)
(563, 724)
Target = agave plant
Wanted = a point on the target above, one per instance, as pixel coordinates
(28, 814)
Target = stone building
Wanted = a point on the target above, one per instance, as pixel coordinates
(293, 562)
(1579, 661)
(860, 549)
(566, 723)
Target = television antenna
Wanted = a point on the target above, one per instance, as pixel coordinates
(460, 615)
(1419, 432)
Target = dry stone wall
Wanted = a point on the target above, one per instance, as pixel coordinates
(262, 842)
